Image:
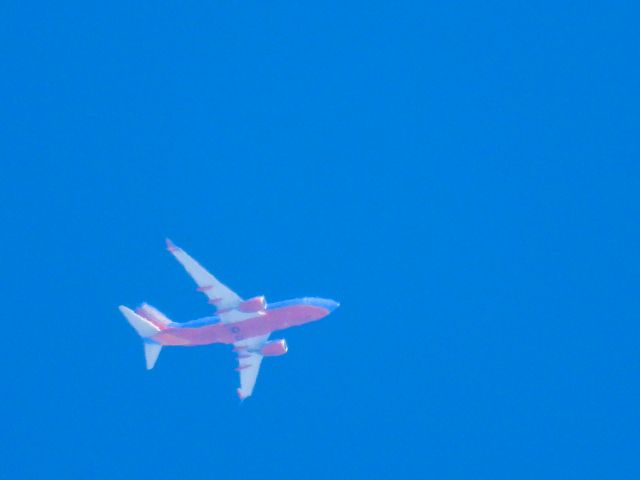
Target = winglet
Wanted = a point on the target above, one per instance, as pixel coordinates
(240, 395)
(170, 245)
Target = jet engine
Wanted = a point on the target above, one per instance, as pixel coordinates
(274, 348)
(252, 305)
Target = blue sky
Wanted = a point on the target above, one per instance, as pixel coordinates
(463, 178)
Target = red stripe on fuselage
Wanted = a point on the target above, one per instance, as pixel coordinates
(276, 319)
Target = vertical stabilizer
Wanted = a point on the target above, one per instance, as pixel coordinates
(154, 315)
(141, 325)
(146, 329)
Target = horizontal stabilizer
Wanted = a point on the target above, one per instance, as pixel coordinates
(144, 327)
(151, 352)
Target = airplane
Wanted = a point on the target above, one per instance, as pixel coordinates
(245, 324)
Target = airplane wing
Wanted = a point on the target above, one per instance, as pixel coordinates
(219, 294)
(249, 359)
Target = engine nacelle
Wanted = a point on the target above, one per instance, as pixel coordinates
(274, 348)
(252, 305)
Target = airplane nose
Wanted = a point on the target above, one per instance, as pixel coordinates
(331, 305)
(325, 303)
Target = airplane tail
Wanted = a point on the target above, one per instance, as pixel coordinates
(146, 328)
(153, 315)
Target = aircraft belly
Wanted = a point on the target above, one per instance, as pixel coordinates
(281, 318)
(276, 319)
(194, 336)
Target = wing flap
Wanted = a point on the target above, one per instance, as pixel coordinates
(218, 294)
(249, 360)
(249, 369)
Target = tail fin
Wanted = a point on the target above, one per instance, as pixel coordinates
(145, 329)
(141, 325)
(153, 315)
